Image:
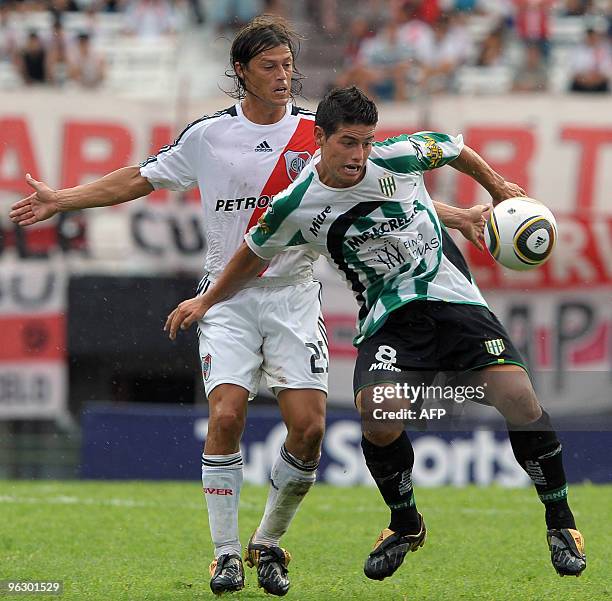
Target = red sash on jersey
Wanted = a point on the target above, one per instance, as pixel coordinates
(302, 141)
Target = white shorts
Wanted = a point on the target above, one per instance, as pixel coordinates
(272, 331)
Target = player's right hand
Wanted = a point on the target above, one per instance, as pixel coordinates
(40, 205)
(187, 313)
(474, 223)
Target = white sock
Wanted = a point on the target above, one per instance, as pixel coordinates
(290, 480)
(221, 482)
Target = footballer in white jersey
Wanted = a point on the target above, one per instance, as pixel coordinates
(239, 158)
(239, 166)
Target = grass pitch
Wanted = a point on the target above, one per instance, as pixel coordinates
(133, 541)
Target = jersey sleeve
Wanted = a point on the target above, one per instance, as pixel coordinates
(410, 153)
(174, 166)
(278, 228)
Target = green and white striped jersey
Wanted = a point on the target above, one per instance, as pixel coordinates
(383, 234)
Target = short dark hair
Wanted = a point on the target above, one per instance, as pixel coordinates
(345, 105)
(260, 34)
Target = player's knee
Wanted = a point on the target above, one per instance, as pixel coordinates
(382, 438)
(227, 422)
(529, 412)
(308, 434)
(313, 436)
(525, 407)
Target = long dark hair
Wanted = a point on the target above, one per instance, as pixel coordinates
(260, 34)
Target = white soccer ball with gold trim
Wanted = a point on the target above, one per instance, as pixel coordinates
(521, 233)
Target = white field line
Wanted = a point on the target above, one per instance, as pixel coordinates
(245, 505)
(68, 500)
(468, 510)
(111, 502)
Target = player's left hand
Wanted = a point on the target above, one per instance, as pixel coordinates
(507, 190)
(473, 224)
(185, 314)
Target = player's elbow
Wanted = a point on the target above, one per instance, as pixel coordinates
(126, 184)
(137, 184)
(461, 161)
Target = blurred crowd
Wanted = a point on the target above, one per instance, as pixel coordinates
(422, 46)
(55, 42)
(394, 49)
(58, 60)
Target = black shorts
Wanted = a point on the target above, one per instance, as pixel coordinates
(431, 337)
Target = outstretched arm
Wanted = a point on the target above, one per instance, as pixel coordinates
(119, 186)
(470, 222)
(472, 164)
(241, 269)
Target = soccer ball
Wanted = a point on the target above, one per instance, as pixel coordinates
(521, 233)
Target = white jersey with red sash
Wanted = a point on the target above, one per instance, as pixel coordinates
(238, 166)
(275, 327)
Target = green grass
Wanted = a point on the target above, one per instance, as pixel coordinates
(133, 541)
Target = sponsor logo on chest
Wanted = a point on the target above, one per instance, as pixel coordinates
(380, 230)
(318, 221)
(243, 204)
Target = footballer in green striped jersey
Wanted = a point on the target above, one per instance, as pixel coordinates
(364, 205)
(381, 233)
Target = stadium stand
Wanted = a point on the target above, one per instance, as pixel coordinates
(160, 65)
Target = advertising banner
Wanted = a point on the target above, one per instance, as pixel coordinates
(32, 341)
(558, 148)
(145, 442)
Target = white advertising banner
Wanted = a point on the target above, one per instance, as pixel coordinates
(32, 340)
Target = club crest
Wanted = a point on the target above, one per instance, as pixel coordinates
(387, 185)
(495, 347)
(295, 162)
(434, 153)
(263, 226)
(206, 363)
